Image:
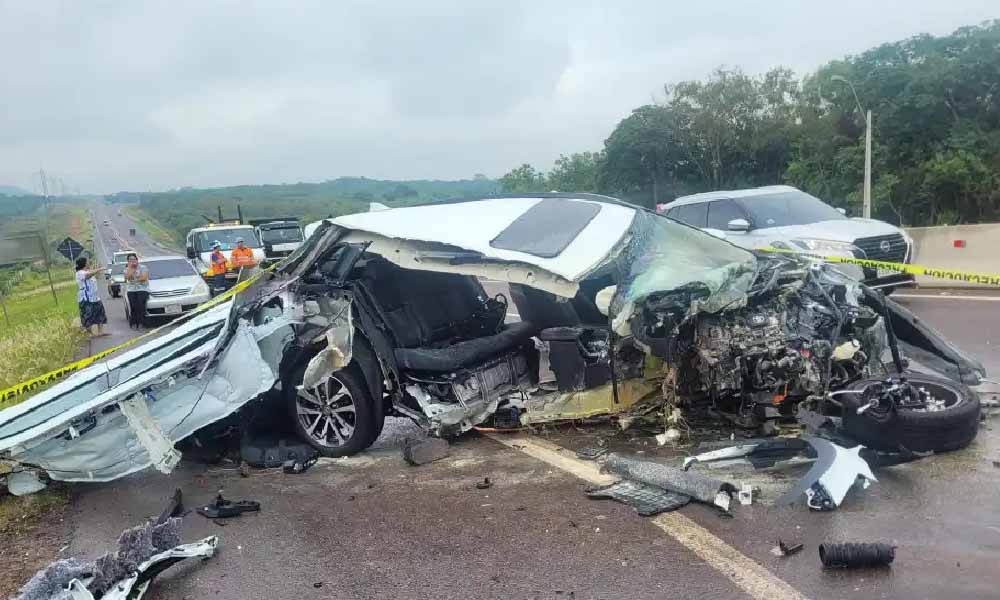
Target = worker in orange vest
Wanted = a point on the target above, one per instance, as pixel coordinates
(242, 256)
(217, 268)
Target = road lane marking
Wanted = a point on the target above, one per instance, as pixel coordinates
(948, 297)
(743, 571)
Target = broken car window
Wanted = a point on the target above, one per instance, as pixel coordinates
(665, 255)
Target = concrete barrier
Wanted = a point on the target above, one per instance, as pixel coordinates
(962, 247)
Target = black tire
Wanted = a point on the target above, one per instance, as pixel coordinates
(363, 425)
(951, 428)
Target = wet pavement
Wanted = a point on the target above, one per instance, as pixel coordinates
(372, 527)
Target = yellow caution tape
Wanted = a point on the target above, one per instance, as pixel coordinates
(13, 395)
(949, 274)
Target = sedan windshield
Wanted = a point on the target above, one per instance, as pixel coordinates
(788, 208)
(174, 267)
(226, 237)
(281, 235)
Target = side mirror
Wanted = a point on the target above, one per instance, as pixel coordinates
(842, 211)
(191, 253)
(739, 225)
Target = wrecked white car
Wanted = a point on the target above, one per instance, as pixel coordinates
(612, 310)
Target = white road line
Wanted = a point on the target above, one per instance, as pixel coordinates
(743, 571)
(948, 297)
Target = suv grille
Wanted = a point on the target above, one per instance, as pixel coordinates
(891, 248)
(170, 293)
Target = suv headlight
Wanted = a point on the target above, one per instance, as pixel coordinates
(825, 247)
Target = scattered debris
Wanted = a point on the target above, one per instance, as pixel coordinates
(221, 508)
(853, 555)
(647, 500)
(485, 484)
(701, 488)
(318, 584)
(834, 473)
(143, 553)
(668, 437)
(745, 495)
(783, 549)
(294, 467)
(174, 507)
(22, 483)
(269, 451)
(591, 453)
(420, 451)
(759, 454)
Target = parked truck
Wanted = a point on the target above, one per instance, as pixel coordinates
(227, 233)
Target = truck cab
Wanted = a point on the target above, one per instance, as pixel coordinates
(279, 237)
(199, 243)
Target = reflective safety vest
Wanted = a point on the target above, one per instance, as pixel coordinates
(217, 264)
(243, 257)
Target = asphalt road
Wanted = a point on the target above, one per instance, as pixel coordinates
(372, 527)
(109, 239)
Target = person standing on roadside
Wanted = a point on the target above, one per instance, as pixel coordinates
(243, 256)
(217, 268)
(136, 290)
(91, 308)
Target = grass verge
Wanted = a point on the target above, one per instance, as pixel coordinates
(152, 227)
(42, 335)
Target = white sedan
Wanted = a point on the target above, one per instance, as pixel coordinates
(175, 287)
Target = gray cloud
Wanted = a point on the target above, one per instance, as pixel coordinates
(144, 95)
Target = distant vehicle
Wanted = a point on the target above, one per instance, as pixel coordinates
(115, 275)
(279, 237)
(785, 217)
(199, 247)
(107, 223)
(175, 287)
(131, 231)
(121, 257)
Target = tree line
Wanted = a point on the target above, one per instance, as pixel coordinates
(936, 129)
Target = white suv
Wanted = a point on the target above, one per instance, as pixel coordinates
(786, 217)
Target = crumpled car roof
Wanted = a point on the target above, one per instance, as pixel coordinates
(473, 225)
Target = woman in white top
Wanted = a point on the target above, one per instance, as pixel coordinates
(91, 308)
(136, 290)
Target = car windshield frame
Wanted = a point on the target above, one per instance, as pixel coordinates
(786, 208)
(264, 233)
(227, 237)
(170, 268)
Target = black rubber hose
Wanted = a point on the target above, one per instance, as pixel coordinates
(851, 556)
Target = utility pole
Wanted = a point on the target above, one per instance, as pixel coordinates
(867, 207)
(868, 165)
(45, 241)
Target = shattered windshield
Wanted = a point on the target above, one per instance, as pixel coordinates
(665, 255)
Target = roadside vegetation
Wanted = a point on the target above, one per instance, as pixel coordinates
(152, 227)
(39, 332)
(172, 214)
(32, 530)
(936, 134)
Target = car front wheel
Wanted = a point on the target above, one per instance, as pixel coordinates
(336, 416)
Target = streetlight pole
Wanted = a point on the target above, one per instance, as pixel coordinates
(867, 209)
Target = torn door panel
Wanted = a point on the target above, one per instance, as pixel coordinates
(94, 440)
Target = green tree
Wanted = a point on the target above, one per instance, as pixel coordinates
(578, 172)
(641, 154)
(523, 179)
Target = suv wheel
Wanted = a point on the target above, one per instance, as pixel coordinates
(336, 417)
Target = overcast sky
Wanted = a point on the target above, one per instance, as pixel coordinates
(138, 95)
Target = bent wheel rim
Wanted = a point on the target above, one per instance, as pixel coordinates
(326, 412)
